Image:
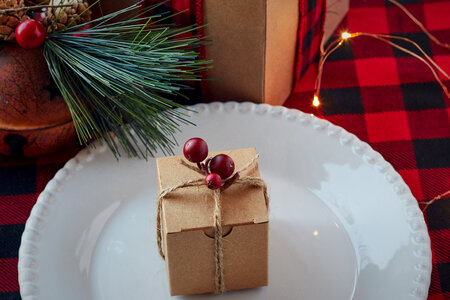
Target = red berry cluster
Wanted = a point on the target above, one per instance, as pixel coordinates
(216, 169)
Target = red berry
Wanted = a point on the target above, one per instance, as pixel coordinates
(30, 34)
(222, 164)
(213, 181)
(195, 150)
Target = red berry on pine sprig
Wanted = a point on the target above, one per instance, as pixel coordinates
(195, 150)
(30, 34)
(213, 181)
(222, 164)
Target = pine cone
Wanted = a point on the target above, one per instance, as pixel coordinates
(60, 17)
(35, 2)
(9, 20)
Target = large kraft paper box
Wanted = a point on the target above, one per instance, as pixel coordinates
(187, 228)
(253, 47)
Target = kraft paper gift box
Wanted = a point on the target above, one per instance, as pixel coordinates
(258, 47)
(188, 234)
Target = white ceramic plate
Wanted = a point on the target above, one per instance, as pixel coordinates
(343, 224)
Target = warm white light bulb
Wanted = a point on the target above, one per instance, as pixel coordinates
(346, 35)
(316, 101)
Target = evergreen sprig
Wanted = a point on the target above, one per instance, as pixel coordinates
(117, 74)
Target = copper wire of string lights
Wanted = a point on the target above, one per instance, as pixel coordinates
(384, 38)
(428, 203)
(333, 46)
(330, 49)
(418, 23)
(426, 59)
(430, 63)
(387, 39)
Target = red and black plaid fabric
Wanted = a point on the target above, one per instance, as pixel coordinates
(20, 185)
(391, 100)
(385, 97)
(310, 33)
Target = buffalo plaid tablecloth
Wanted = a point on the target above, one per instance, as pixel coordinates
(385, 97)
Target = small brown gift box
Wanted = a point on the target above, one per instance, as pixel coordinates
(188, 234)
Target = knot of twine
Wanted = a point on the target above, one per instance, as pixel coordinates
(218, 246)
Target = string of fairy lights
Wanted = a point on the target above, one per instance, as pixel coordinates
(391, 40)
(388, 39)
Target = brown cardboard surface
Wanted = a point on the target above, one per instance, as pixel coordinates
(190, 260)
(190, 251)
(281, 45)
(253, 49)
(192, 208)
(237, 30)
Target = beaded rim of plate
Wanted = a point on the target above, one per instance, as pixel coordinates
(31, 236)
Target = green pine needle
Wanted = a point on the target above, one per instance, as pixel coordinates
(118, 75)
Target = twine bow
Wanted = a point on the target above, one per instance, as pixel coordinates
(218, 246)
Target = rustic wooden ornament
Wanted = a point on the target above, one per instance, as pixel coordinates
(34, 118)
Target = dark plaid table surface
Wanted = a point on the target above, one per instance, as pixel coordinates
(385, 97)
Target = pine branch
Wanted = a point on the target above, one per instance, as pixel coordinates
(117, 77)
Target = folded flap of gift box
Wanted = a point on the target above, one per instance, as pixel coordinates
(191, 208)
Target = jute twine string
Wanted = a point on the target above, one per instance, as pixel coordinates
(218, 232)
(218, 246)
